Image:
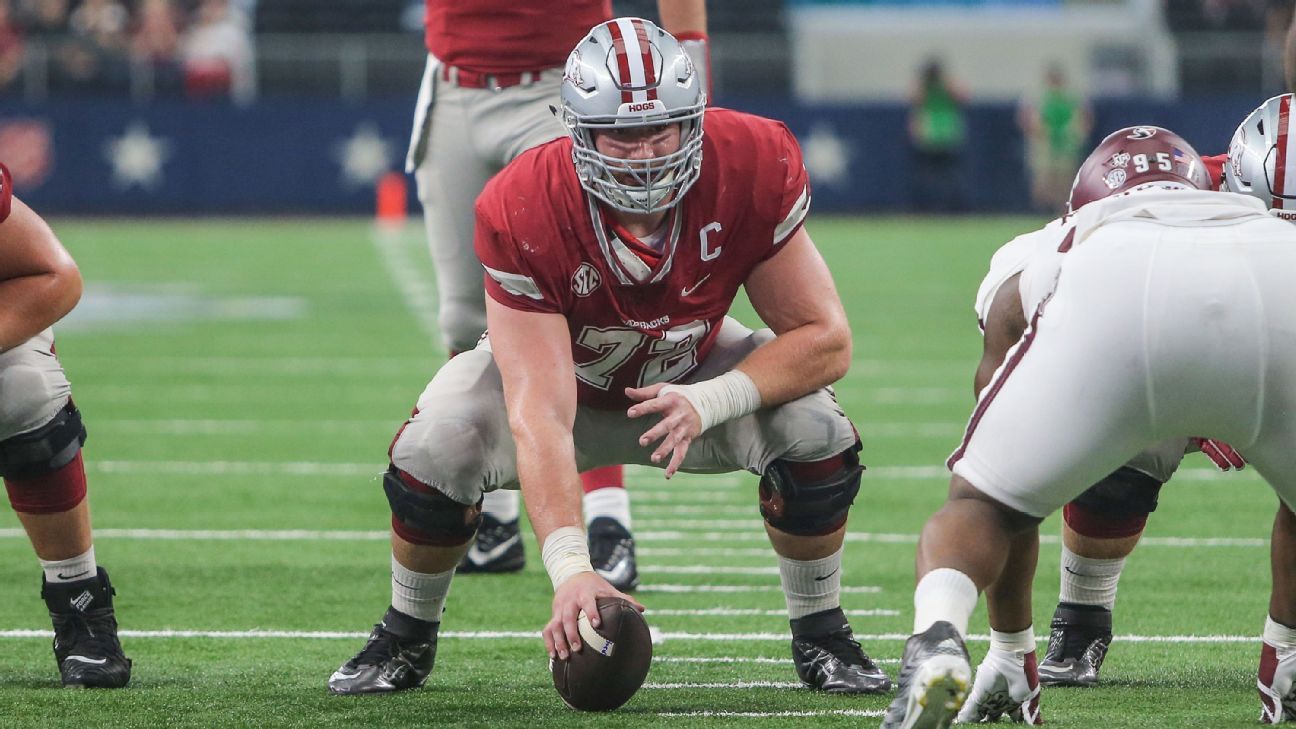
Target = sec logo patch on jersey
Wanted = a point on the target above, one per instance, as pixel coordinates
(586, 280)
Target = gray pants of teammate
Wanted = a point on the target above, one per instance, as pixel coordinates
(460, 442)
(461, 138)
(33, 387)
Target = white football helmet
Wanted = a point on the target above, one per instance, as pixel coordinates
(1262, 155)
(630, 73)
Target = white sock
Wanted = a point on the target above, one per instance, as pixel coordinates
(612, 501)
(812, 586)
(1023, 641)
(1280, 637)
(419, 595)
(944, 594)
(73, 569)
(1089, 581)
(502, 504)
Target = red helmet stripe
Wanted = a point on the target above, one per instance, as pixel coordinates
(1280, 165)
(645, 48)
(623, 60)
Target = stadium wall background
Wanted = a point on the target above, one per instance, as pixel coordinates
(322, 157)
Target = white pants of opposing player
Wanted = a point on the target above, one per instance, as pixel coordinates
(33, 387)
(462, 137)
(1153, 331)
(460, 442)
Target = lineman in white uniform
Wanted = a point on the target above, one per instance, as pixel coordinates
(1167, 317)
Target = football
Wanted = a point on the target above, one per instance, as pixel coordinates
(612, 664)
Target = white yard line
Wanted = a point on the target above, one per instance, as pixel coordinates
(307, 535)
(704, 569)
(412, 278)
(727, 685)
(853, 589)
(862, 713)
(742, 659)
(528, 635)
(740, 612)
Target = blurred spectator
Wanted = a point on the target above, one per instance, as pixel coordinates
(937, 133)
(1056, 126)
(11, 48)
(217, 55)
(155, 44)
(45, 18)
(93, 58)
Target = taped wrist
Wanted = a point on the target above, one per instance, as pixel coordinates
(566, 554)
(720, 399)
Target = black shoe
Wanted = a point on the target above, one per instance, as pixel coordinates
(1079, 637)
(85, 633)
(612, 552)
(398, 656)
(497, 548)
(935, 674)
(827, 657)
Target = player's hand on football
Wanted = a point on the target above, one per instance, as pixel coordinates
(679, 423)
(1221, 453)
(580, 593)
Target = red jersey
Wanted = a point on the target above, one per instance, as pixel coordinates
(1215, 168)
(507, 36)
(546, 248)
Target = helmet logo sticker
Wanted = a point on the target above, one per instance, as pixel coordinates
(586, 280)
(1120, 159)
(1115, 178)
(1142, 133)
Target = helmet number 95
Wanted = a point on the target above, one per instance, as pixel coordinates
(1163, 162)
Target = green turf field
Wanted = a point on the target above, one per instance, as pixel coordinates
(241, 381)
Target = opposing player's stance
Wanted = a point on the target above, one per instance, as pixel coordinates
(40, 446)
(1186, 293)
(609, 280)
(1007, 681)
(493, 71)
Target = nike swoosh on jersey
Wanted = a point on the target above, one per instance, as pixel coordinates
(690, 289)
(479, 556)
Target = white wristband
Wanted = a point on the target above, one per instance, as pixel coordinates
(566, 554)
(720, 399)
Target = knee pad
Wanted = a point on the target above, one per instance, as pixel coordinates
(423, 515)
(811, 499)
(1115, 507)
(45, 449)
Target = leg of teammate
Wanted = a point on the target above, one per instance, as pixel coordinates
(41, 434)
(607, 523)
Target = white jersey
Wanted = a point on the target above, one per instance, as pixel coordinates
(1169, 316)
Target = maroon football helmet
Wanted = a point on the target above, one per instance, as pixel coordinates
(1135, 156)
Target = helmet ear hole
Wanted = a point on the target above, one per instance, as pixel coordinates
(620, 76)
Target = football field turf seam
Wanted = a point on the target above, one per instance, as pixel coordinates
(417, 288)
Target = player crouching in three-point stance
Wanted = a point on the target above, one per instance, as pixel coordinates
(608, 283)
(1165, 316)
(40, 446)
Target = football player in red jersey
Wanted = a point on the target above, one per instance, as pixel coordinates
(612, 257)
(493, 71)
(40, 446)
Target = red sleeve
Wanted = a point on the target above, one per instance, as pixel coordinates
(1215, 168)
(510, 277)
(795, 198)
(6, 193)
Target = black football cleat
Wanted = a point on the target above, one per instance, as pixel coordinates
(85, 633)
(612, 552)
(934, 677)
(828, 658)
(398, 656)
(1079, 637)
(497, 548)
